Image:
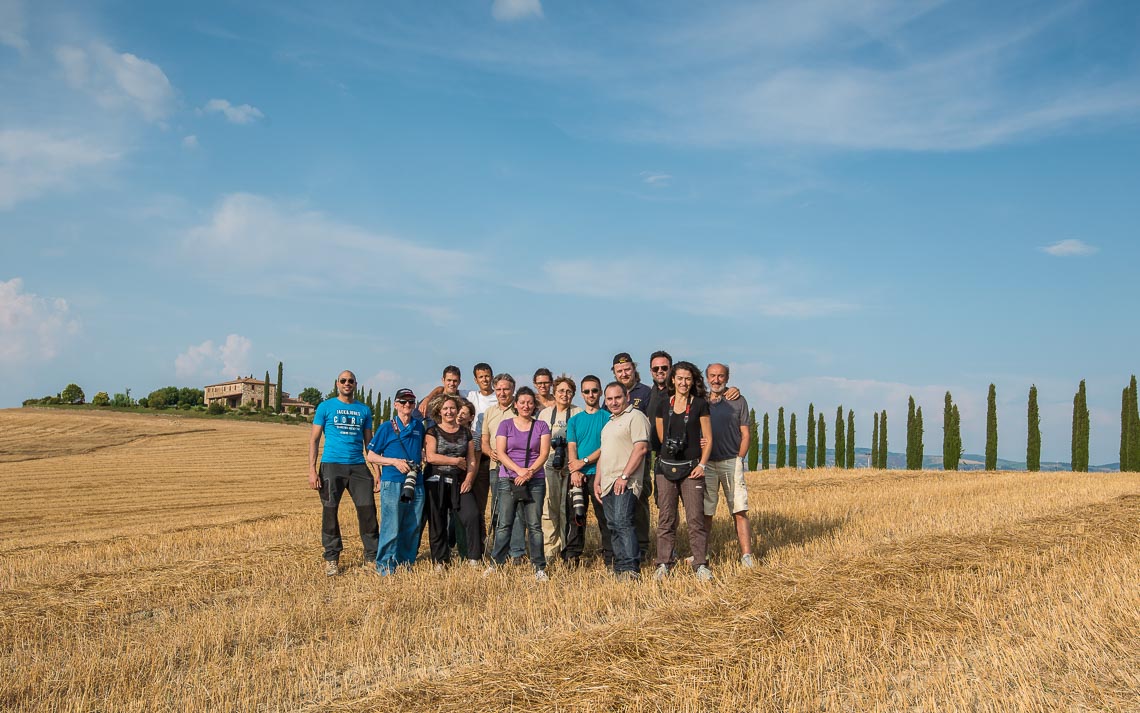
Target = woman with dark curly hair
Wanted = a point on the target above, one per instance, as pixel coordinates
(684, 429)
(450, 448)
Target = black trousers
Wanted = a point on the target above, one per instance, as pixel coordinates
(439, 501)
(357, 479)
(472, 507)
(576, 534)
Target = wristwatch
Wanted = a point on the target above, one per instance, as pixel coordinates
(624, 476)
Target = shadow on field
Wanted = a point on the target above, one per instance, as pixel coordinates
(770, 531)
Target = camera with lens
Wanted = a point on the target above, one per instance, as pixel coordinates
(675, 447)
(558, 452)
(578, 504)
(408, 491)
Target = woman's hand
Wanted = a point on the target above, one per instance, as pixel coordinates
(697, 473)
(459, 462)
(523, 475)
(466, 485)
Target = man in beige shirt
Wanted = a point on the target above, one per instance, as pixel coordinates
(625, 444)
(492, 417)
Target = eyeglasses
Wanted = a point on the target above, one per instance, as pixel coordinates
(348, 381)
(591, 391)
(659, 368)
(406, 402)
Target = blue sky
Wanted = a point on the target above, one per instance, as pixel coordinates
(847, 201)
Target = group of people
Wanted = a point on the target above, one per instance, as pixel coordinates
(543, 462)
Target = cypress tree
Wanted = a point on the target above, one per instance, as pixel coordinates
(991, 429)
(875, 441)
(1124, 426)
(809, 456)
(753, 441)
(793, 449)
(910, 433)
(840, 445)
(883, 440)
(764, 446)
(781, 443)
(947, 432)
(1033, 439)
(1133, 427)
(918, 448)
(821, 443)
(265, 404)
(280, 378)
(850, 439)
(1081, 416)
(957, 445)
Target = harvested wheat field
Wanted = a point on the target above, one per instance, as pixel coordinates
(160, 563)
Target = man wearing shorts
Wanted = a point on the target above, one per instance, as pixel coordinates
(346, 425)
(725, 469)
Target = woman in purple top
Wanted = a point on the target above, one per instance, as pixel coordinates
(523, 444)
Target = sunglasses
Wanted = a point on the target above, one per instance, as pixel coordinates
(659, 368)
(405, 401)
(348, 381)
(591, 391)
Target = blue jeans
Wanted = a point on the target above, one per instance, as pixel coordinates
(399, 527)
(620, 511)
(532, 517)
(518, 531)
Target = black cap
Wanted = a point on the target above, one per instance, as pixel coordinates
(622, 358)
(403, 394)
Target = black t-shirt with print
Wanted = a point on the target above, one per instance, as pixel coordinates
(674, 426)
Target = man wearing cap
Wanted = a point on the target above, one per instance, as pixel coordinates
(638, 396)
(625, 443)
(398, 448)
(346, 425)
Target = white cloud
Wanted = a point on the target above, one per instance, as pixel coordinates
(12, 25)
(511, 10)
(118, 79)
(31, 327)
(33, 162)
(656, 178)
(190, 142)
(277, 248)
(241, 114)
(1070, 248)
(207, 361)
(740, 286)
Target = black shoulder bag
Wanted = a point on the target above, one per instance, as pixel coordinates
(519, 491)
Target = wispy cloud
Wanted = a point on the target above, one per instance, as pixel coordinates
(33, 162)
(32, 327)
(511, 10)
(274, 248)
(190, 142)
(118, 79)
(207, 361)
(239, 114)
(1070, 248)
(13, 25)
(711, 289)
(656, 178)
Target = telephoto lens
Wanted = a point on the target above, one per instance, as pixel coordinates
(408, 492)
(578, 503)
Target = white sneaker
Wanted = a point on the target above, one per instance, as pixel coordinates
(474, 564)
(491, 569)
(332, 568)
(540, 576)
(747, 561)
(662, 572)
(704, 574)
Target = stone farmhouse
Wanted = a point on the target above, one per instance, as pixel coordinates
(248, 391)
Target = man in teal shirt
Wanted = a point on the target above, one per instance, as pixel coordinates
(584, 441)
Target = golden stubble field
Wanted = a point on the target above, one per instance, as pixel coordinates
(161, 563)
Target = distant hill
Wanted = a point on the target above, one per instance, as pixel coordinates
(969, 461)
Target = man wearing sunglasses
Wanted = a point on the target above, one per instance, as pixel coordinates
(398, 448)
(346, 425)
(583, 444)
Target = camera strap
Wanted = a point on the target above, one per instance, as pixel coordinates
(685, 423)
(526, 455)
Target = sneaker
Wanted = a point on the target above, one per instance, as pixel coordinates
(747, 561)
(332, 568)
(704, 574)
(491, 569)
(689, 559)
(438, 566)
(540, 576)
(627, 576)
(474, 564)
(661, 572)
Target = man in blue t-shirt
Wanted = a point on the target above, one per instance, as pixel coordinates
(346, 425)
(398, 449)
(584, 443)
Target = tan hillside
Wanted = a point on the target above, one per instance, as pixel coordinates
(159, 563)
